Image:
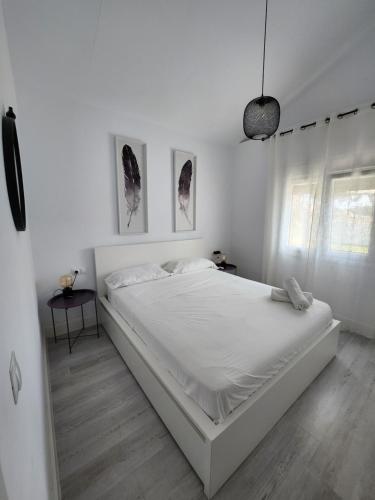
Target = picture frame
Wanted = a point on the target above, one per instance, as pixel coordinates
(184, 191)
(131, 170)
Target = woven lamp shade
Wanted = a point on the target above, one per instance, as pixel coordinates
(261, 118)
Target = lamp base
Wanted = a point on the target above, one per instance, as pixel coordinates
(68, 292)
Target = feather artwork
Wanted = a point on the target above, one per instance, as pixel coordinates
(132, 181)
(184, 188)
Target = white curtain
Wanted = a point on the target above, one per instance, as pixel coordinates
(320, 222)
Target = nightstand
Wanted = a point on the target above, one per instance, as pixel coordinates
(78, 299)
(228, 268)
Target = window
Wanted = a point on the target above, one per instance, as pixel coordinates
(351, 206)
(302, 197)
(352, 202)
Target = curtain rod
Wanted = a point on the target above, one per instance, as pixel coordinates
(286, 132)
(327, 120)
(308, 125)
(352, 112)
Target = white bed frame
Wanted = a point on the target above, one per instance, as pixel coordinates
(214, 451)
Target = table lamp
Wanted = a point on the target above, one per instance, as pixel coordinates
(66, 281)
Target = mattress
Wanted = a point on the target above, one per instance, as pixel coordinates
(220, 336)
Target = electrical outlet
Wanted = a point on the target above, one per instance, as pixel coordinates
(78, 270)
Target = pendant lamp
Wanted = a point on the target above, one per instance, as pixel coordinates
(262, 115)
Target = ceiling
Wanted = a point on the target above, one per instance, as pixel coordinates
(191, 65)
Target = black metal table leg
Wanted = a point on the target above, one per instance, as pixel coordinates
(53, 322)
(68, 331)
(96, 315)
(83, 319)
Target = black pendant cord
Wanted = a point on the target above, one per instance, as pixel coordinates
(264, 44)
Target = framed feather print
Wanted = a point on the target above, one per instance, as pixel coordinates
(184, 187)
(131, 185)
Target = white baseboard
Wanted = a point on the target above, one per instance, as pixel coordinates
(53, 468)
(355, 327)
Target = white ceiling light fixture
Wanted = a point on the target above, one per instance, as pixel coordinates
(262, 115)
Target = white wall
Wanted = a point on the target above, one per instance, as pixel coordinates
(345, 84)
(248, 213)
(24, 453)
(72, 187)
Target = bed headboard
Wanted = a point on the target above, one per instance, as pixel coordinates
(111, 258)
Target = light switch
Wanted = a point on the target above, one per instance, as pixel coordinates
(15, 376)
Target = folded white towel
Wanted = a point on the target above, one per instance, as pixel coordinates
(295, 293)
(281, 295)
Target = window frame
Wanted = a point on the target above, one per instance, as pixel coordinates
(328, 252)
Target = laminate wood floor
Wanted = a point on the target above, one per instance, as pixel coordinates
(112, 445)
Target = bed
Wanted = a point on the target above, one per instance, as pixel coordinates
(186, 339)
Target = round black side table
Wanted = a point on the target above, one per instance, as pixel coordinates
(228, 268)
(79, 298)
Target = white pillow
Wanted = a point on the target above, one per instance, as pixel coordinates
(136, 274)
(188, 265)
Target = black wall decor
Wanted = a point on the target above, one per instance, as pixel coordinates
(13, 170)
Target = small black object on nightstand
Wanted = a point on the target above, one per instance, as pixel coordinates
(77, 299)
(228, 268)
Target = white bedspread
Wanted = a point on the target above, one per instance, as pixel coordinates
(219, 335)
